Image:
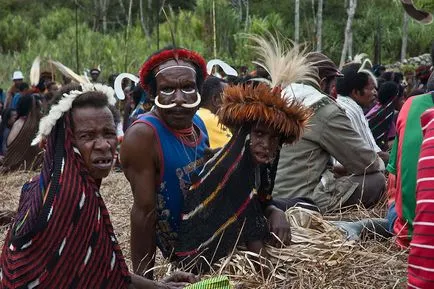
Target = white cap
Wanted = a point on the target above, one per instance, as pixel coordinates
(17, 75)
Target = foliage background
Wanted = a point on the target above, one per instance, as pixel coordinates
(48, 28)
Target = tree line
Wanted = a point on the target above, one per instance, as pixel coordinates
(120, 34)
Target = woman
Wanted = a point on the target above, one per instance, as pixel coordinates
(231, 198)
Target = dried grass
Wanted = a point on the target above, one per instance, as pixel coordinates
(319, 257)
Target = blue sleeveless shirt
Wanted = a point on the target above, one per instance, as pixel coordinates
(178, 162)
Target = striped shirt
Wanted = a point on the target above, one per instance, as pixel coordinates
(358, 120)
(421, 258)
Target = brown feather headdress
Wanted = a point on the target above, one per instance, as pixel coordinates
(248, 104)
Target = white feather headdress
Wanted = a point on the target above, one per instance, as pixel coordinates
(365, 61)
(285, 66)
(35, 71)
(65, 103)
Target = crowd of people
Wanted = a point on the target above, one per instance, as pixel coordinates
(213, 160)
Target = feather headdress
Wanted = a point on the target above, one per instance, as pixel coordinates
(65, 103)
(35, 71)
(364, 67)
(249, 104)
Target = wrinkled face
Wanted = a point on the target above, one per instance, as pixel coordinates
(264, 142)
(95, 138)
(12, 118)
(367, 95)
(176, 85)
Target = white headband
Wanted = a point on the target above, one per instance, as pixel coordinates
(175, 66)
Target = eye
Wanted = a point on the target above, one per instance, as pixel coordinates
(167, 91)
(188, 90)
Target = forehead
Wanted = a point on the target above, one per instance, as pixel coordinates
(91, 118)
(172, 73)
(263, 127)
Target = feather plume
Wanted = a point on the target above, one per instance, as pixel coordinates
(35, 71)
(64, 105)
(359, 58)
(247, 105)
(69, 73)
(285, 66)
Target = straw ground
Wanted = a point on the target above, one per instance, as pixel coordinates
(319, 257)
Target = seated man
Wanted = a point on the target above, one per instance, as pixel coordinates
(212, 89)
(19, 153)
(380, 117)
(402, 167)
(62, 236)
(163, 151)
(357, 90)
(305, 169)
(421, 258)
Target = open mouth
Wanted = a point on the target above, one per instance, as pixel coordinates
(103, 163)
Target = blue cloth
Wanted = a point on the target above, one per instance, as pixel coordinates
(15, 100)
(391, 217)
(179, 163)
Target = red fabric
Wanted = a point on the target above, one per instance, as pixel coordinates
(177, 54)
(421, 258)
(72, 243)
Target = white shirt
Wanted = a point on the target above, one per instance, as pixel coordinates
(358, 120)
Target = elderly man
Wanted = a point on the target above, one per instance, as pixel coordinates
(163, 152)
(62, 236)
(305, 168)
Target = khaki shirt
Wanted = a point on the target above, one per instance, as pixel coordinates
(305, 166)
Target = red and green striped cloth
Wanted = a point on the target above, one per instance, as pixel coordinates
(403, 164)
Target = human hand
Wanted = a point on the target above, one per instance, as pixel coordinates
(179, 280)
(279, 225)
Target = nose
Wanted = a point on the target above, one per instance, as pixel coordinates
(179, 97)
(102, 144)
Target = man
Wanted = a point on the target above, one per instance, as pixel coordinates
(163, 152)
(402, 166)
(305, 169)
(62, 236)
(211, 101)
(357, 90)
(17, 78)
(94, 74)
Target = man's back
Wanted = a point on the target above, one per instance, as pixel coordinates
(303, 166)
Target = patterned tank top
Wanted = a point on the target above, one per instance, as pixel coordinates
(179, 164)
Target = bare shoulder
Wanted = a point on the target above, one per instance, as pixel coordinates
(138, 144)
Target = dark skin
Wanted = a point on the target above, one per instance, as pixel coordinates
(94, 135)
(216, 100)
(263, 147)
(365, 98)
(141, 163)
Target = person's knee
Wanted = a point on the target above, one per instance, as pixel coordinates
(375, 185)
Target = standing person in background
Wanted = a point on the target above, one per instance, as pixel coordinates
(211, 94)
(17, 78)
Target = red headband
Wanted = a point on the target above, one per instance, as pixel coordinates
(177, 54)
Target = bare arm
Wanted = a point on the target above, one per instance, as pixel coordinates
(138, 158)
